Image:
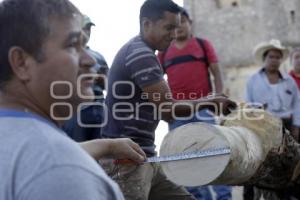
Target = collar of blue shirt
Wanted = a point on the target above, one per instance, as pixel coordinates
(283, 76)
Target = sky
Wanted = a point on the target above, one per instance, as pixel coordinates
(117, 21)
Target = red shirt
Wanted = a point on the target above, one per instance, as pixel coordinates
(297, 79)
(189, 80)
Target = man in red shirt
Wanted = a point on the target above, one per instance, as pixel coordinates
(188, 62)
(295, 61)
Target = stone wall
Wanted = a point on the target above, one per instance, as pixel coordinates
(235, 27)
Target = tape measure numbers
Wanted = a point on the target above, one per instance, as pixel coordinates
(182, 156)
(190, 155)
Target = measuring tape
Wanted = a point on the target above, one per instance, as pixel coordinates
(181, 156)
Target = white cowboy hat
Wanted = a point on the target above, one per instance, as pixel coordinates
(261, 48)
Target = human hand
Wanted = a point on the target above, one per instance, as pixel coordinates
(124, 148)
(221, 104)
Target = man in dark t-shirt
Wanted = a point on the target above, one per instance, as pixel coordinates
(134, 67)
(137, 93)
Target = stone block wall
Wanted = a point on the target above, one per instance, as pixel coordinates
(235, 27)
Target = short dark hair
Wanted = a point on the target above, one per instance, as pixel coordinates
(267, 52)
(185, 13)
(154, 9)
(25, 23)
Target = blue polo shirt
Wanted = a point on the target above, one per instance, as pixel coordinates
(130, 114)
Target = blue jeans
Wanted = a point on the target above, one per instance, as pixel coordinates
(202, 193)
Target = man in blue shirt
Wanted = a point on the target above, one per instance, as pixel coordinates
(41, 47)
(86, 125)
(276, 92)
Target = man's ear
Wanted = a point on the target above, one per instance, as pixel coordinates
(19, 61)
(146, 24)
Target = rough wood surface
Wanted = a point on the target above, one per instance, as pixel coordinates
(260, 122)
(265, 135)
(280, 170)
(188, 138)
(250, 134)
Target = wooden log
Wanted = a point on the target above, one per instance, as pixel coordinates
(250, 134)
(280, 170)
(188, 138)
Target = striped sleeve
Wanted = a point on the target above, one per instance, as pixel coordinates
(143, 66)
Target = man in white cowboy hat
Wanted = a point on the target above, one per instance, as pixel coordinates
(276, 92)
